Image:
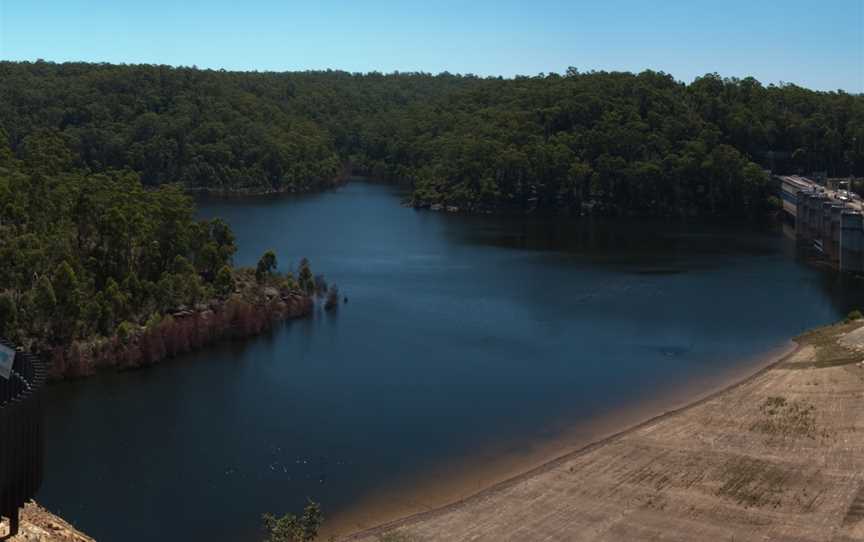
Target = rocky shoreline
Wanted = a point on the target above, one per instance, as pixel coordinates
(178, 333)
(40, 525)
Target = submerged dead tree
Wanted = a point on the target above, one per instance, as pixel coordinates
(332, 301)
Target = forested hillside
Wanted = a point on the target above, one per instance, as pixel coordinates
(621, 142)
(82, 253)
(201, 129)
(88, 255)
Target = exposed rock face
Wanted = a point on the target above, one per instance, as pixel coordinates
(181, 332)
(39, 525)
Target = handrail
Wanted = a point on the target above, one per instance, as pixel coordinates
(22, 445)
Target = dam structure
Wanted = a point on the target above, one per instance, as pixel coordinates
(828, 220)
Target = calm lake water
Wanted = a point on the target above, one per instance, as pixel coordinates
(459, 332)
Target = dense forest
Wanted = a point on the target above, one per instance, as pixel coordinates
(620, 142)
(83, 252)
(97, 254)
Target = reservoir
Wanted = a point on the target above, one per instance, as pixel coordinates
(463, 337)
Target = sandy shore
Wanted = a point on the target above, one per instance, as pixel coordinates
(504, 462)
(772, 450)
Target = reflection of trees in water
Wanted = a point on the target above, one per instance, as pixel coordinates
(623, 240)
(844, 291)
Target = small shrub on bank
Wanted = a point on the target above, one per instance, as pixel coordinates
(290, 528)
(125, 331)
(224, 282)
(266, 265)
(854, 315)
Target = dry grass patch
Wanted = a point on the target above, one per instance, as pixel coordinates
(784, 418)
(752, 482)
(856, 509)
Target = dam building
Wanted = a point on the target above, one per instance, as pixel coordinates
(827, 219)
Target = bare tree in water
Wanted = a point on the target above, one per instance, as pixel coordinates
(332, 298)
(320, 285)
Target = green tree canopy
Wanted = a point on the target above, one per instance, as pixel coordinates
(636, 143)
(266, 265)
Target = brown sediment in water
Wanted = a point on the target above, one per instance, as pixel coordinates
(710, 461)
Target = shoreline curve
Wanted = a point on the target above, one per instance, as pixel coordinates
(789, 350)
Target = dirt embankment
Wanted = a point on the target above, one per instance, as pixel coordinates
(779, 456)
(178, 333)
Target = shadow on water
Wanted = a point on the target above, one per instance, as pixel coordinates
(462, 334)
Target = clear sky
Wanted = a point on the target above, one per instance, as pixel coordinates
(814, 43)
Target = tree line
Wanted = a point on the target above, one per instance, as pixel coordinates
(621, 142)
(200, 129)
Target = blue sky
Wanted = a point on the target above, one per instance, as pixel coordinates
(817, 44)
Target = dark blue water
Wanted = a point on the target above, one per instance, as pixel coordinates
(459, 332)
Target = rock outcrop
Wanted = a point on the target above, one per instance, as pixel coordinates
(39, 525)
